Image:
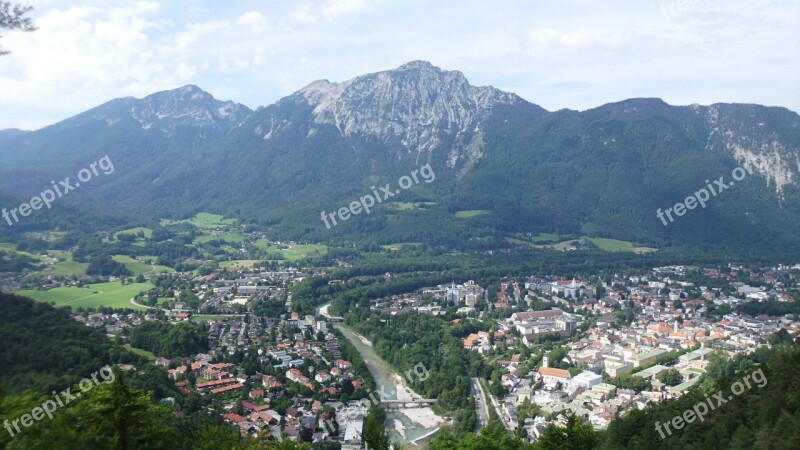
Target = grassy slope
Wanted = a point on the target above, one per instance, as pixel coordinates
(113, 295)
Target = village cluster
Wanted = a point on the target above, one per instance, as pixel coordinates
(287, 377)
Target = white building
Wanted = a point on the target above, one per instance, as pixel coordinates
(586, 380)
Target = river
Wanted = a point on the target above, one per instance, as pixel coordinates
(408, 424)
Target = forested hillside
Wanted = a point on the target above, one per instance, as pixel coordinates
(43, 348)
(502, 165)
(766, 417)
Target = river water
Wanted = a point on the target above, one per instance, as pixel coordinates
(384, 376)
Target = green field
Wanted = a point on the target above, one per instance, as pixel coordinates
(472, 213)
(146, 231)
(59, 295)
(202, 318)
(238, 264)
(408, 206)
(227, 237)
(203, 220)
(565, 244)
(113, 295)
(48, 236)
(605, 244)
(149, 355)
(613, 245)
(13, 249)
(65, 265)
(263, 244)
(546, 237)
(139, 267)
(292, 252)
(300, 251)
(401, 245)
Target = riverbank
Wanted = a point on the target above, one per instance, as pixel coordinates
(423, 416)
(409, 424)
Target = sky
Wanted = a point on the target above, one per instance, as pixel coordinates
(558, 54)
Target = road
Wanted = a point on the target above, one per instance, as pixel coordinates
(480, 403)
(134, 302)
(496, 406)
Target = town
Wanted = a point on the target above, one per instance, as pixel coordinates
(595, 347)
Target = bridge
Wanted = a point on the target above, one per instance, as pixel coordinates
(413, 403)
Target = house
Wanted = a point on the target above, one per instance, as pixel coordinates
(296, 376)
(198, 367)
(322, 376)
(271, 383)
(253, 407)
(226, 389)
(550, 375)
(178, 373)
(215, 383)
(343, 364)
(247, 428)
(233, 418)
(332, 391)
(263, 417)
(162, 362)
(256, 393)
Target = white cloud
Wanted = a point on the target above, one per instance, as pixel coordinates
(335, 8)
(547, 38)
(574, 53)
(196, 31)
(253, 19)
(303, 14)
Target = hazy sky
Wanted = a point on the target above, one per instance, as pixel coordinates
(558, 54)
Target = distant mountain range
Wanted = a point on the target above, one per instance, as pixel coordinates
(513, 166)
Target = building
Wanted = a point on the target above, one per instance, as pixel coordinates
(616, 368)
(586, 380)
(647, 356)
(550, 375)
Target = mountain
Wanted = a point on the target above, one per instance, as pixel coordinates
(187, 115)
(148, 136)
(414, 110)
(602, 172)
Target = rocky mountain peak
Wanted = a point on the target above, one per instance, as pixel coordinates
(188, 105)
(418, 64)
(415, 105)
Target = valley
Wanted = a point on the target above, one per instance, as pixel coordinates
(257, 282)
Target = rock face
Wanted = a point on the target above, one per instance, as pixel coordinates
(418, 106)
(737, 130)
(188, 105)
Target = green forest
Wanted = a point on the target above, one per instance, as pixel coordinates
(44, 349)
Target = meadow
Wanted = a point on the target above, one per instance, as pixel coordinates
(112, 294)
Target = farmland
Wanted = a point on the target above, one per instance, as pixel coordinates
(112, 294)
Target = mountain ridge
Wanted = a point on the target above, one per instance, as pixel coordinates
(602, 171)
